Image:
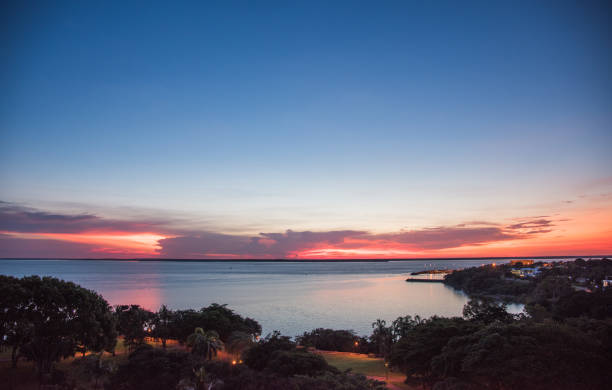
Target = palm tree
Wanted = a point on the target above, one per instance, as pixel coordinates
(205, 344)
(381, 336)
(238, 342)
(162, 324)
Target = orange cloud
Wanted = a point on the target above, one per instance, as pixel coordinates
(32, 233)
(140, 244)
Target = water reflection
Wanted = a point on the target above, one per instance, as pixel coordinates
(290, 297)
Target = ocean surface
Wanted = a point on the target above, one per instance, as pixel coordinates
(292, 297)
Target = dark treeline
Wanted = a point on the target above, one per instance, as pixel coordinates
(488, 348)
(558, 290)
(45, 320)
(335, 340)
(491, 349)
(136, 324)
(563, 340)
(273, 363)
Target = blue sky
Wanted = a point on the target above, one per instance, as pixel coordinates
(242, 117)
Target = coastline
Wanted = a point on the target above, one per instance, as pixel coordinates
(383, 260)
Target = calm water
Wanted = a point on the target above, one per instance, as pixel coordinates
(289, 297)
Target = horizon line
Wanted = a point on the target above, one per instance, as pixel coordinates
(309, 260)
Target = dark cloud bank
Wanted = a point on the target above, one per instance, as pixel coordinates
(206, 244)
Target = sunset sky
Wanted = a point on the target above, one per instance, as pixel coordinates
(305, 129)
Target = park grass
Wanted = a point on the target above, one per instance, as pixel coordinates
(356, 362)
(25, 379)
(368, 366)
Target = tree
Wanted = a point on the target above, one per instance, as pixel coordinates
(64, 316)
(261, 353)
(225, 321)
(580, 262)
(95, 367)
(486, 310)
(162, 324)
(414, 352)
(134, 323)
(239, 342)
(329, 340)
(382, 337)
(205, 344)
(15, 329)
(596, 305)
(214, 317)
(403, 325)
(526, 355)
(148, 368)
(290, 363)
(551, 288)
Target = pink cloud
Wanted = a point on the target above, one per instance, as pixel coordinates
(35, 233)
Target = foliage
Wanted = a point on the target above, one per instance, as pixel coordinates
(134, 323)
(287, 369)
(344, 381)
(239, 342)
(148, 368)
(15, 329)
(60, 317)
(596, 305)
(551, 293)
(330, 340)
(214, 317)
(205, 344)
(262, 352)
(290, 363)
(162, 324)
(244, 378)
(525, 355)
(493, 349)
(486, 310)
(551, 288)
(382, 338)
(414, 352)
(490, 280)
(403, 325)
(95, 367)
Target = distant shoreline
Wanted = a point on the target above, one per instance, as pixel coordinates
(318, 260)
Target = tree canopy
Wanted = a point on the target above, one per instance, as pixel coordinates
(59, 318)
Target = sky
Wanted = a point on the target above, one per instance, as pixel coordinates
(308, 130)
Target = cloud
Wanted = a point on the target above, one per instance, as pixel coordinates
(36, 233)
(15, 218)
(449, 237)
(12, 247)
(265, 245)
(203, 245)
(294, 243)
(532, 224)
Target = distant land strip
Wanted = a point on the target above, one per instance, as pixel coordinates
(315, 260)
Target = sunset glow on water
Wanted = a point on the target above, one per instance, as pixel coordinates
(290, 297)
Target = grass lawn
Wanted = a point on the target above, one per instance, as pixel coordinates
(362, 364)
(25, 378)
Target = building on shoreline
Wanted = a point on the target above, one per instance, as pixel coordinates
(521, 262)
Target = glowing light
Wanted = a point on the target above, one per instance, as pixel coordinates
(141, 244)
